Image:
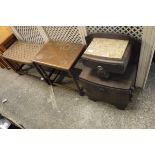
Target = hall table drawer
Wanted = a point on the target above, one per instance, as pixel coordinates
(114, 67)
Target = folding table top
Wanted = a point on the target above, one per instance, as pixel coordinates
(107, 48)
(58, 54)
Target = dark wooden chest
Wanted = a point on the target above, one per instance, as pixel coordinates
(117, 90)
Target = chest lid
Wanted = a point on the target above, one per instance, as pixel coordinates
(106, 48)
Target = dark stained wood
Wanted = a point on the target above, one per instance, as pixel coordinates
(59, 54)
(110, 64)
(115, 81)
(8, 42)
(116, 90)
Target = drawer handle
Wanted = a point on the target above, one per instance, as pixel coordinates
(102, 73)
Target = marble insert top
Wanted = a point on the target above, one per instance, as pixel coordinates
(109, 48)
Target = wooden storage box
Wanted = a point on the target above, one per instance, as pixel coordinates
(112, 55)
(117, 90)
(105, 64)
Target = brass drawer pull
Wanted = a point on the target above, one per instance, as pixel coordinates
(102, 73)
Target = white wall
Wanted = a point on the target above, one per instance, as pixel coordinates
(146, 55)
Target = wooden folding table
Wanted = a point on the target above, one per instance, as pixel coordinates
(60, 56)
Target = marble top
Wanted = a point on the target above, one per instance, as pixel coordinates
(109, 48)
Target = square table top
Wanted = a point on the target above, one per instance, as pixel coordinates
(58, 54)
(107, 48)
(5, 33)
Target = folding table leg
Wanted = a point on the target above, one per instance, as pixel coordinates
(5, 64)
(57, 74)
(49, 76)
(76, 83)
(61, 77)
(42, 73)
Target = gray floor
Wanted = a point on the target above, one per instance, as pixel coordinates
(34, 104)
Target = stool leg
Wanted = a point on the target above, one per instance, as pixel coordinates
(11, 65)
(76, 83)
(5, 64)
(1, 64)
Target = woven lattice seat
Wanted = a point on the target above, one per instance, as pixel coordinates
(22, 52)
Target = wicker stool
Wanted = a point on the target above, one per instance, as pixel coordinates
(21, 53)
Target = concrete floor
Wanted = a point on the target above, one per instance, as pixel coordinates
(34, 104)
